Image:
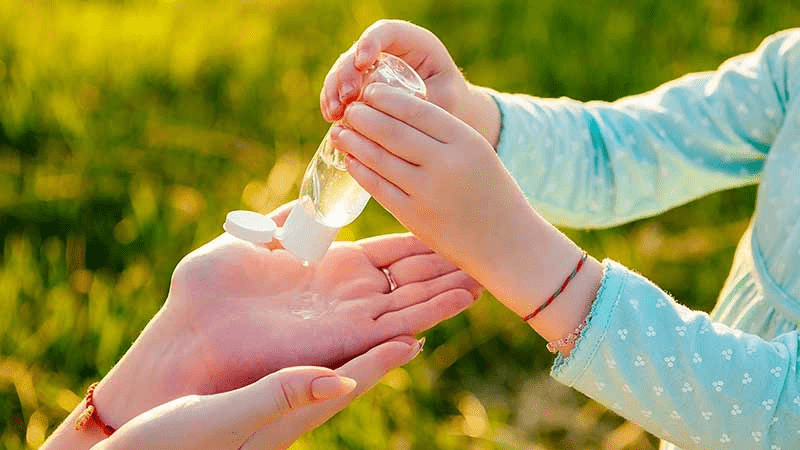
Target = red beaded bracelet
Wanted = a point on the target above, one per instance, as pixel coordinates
(558, 291)
(90, 414)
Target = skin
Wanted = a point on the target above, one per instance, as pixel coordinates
(237, 312)
(420, 160)
(268, 414)
(421, 49)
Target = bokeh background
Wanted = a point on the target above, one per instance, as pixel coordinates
(128, 128)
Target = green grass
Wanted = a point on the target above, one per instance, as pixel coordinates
(129, 128)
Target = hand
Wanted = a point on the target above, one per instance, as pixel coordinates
(254, 311)
(268, 414)
(442, 180)
(428, 56)
(236, 312)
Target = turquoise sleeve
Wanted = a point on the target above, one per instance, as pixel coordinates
(598, 164)
(687, 380)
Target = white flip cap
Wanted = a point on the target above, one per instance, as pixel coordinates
(250, 226)
(304, 237)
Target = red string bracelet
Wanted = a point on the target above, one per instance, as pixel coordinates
(558, 291)
(89, 414)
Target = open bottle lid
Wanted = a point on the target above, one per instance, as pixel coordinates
(250, 226)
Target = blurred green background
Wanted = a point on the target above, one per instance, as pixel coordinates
(128, 128)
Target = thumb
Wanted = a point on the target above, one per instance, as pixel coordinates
(294, 388)
(227, 419)
(279, 215)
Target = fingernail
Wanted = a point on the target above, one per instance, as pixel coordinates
(346, 91)
(361, 58)
(369, 90)
(417, 347)
(336, 131)
(334, 105)
(326, 388)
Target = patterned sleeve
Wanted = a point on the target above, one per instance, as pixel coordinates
(690, 381)
(600, 164)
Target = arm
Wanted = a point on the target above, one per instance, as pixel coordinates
(444, 182)
(682, 377)
(598, 163)
(238, 312)
(601, 164)
(268, 414)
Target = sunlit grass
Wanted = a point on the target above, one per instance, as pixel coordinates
(129, 128)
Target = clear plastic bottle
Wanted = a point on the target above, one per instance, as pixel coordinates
(329, 197)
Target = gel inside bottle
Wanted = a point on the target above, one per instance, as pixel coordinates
(329, 197)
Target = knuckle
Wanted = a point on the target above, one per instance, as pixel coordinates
(285, 397)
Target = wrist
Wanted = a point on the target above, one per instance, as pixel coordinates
(481, 112)
(531, 266)
(156, 369)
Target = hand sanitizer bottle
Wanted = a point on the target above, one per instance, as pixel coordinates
(329, 197)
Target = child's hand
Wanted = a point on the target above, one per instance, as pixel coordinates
(422, 50)
(444, 182)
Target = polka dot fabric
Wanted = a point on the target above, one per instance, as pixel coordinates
(728, 380)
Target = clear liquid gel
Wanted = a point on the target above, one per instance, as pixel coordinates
(329, 197)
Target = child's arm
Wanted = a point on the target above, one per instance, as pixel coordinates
(692, 382)
(640, 353)
(601, 164)
(597, 163)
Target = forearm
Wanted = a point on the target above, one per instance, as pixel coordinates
(526, 260)
(144, 378)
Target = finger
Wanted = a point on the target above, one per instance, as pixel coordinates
(279, 215)
(342, 85)
(424, 116)
(348, 79)
(399, 138)
(250, 408)
(400, 38)
(390, 196)
(329, 94)
(366, 369)
(415, 293)
(290, 389)
(397, 171)
(425, 315)
(418, 268)
(385, 250)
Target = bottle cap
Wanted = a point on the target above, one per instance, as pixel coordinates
(304, 237)
(250, 226)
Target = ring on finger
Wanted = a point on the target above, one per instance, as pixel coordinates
(389, 278)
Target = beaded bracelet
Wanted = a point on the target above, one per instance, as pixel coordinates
(558, 291)
(570, 339)
(90, 414)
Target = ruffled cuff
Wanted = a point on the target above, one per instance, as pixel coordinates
(568, 370)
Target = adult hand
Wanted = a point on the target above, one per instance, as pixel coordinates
(268, 414)
(421, 49)
(237, 311)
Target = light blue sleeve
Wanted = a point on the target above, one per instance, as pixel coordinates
(599, 164)
(690, 381)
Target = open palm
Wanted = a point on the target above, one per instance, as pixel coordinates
(255, 310)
